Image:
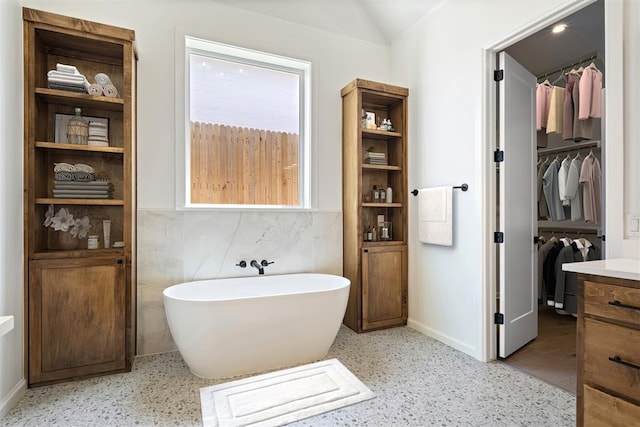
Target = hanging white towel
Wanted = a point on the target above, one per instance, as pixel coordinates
(435, 215)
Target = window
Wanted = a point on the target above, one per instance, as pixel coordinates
(247, 128)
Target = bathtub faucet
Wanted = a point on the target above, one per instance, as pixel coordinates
(260, 267)
(255, 264)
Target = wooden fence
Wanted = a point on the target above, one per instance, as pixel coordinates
(233, 165)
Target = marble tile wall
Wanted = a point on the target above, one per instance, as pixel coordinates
(180, 246)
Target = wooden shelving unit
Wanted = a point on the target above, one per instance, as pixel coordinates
(377, 269)
(81, 302)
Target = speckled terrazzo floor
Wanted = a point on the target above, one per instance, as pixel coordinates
(418, 382)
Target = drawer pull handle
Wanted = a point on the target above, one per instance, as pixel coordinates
(621, 305)
(617, 359)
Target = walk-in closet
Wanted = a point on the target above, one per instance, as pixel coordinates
(569, 121)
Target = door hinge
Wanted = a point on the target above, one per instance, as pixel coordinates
(498, 318)
(498, 75)
(604, 238)
(498, 237)
(536, 239)
(498, 156)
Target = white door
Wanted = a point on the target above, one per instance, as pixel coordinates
(517, 207)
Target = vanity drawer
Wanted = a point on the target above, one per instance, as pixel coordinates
(602, 409)
(604, 342)
(613, 302)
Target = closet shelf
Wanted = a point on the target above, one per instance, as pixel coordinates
(382, 205)
(97, 202)
(76, 147)
(379, 134)
(381, 167)
(71, 99)
(569, 226)
(574, 147)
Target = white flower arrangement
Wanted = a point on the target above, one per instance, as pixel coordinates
(63, 221)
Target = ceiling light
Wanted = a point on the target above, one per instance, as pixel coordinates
(558, 28)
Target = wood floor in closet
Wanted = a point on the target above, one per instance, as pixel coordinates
(552, 355)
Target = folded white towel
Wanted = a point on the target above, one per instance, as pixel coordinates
(435, 215)
(66, 76)
(70, 82)
(70, 69)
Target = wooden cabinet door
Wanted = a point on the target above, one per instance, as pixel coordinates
(76, 318)
(384, 286)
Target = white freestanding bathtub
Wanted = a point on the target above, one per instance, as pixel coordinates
(229, 327)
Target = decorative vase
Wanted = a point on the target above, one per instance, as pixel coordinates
(67, 241)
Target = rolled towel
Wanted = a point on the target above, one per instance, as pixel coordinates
(82, 176)
(103, 80)
(64, 176)
(94, 89)
(67, 68)
(81, 167)
(110, 91)
(63, 167)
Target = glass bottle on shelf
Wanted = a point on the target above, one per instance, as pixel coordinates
(374, 234)
(77, 129)
(383, 195)
(376, 194)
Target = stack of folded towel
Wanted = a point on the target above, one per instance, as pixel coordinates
(67, 77)
(77, 181)
(98, 134)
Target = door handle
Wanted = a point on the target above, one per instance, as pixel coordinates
(617, 303)
(617, 359)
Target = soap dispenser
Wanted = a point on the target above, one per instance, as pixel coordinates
(389, 194)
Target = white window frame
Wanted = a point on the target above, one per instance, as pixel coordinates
(251, 57)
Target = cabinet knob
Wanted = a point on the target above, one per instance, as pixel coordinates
(119, 261)
(366, 250)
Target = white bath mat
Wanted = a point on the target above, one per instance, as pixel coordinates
(282, 397)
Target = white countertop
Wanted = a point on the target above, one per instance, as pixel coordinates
(6, 324)
(622, 268)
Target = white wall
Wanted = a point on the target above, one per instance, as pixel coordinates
(174, 246)
(441, 60)
(11, 265)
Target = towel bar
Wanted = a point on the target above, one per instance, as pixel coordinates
(463, 187)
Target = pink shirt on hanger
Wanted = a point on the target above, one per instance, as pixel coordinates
(590, 94)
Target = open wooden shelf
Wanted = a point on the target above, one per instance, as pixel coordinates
(382, 205)
(381, 167)
(73, 99)
(78, 253)
(61, 201)
(380, 134)
(76, 147)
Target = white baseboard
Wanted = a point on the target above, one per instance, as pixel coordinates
(451, 342)
(12, 398)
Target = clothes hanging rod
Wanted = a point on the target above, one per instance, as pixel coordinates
(576, 147)
(569, 65)
(463, 187)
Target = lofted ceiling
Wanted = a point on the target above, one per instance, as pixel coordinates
(378, 21)
(383, 21)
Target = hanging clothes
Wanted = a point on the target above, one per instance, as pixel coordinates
(573, 189)
(543, 210)
(590, 93)
(549, 270)
(566, 286)
(563, 172)
(582, 129)
(555, 123)
(567, 116)
(550, 189)
(543, 251)
(543, 100)
(590, 178)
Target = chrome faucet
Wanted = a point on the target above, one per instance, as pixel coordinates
(255, 264)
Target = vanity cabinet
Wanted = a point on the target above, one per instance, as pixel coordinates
(374, 155)
(77, 312)
(80, 302)
(608, 350)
